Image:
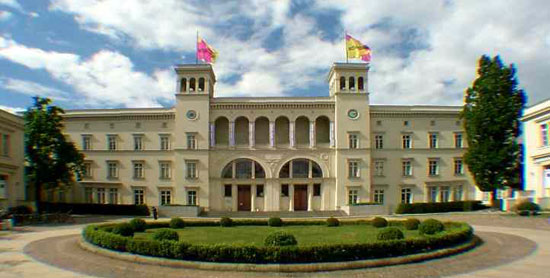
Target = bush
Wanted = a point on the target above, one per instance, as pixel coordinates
(138, 224)
(226, 222)
(20, 210)
(390, 233)
(333, 222)
(411, 224)
(439, 207)
(166, 234)
(103, 209)
(123, 229)
(526, 208)
(280, 239)
(177, 223)
(275, 222)
(430, 227)
(379, 222)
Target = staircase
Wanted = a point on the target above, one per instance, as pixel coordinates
(267, 214)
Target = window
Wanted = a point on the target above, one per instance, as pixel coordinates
(138, 170)
(100, 194)
(139, 196)
(432, 123)
(353, 141)
(407, 168)
(300, 168)
(192, 197)
(405, 123)
(433, 167)
(111, 142)
(138, 125)
(353, 196)
(458, 193)
(284, 190)
(458, 140)
(444, 194)
(191, 167)
(433, 140)
(88, 195)
(378, 141)
(5, 144)
(191, 141)
(432, 194)
(317, 189)
(459, 168)
(86, 142)
(259, 190)
(138, 142)
(379, 196)
(164, 142)
(406, 195)
(243, 169)
(379, 168)
(164, 170)
(353, 169)
(406, 141)
(378, 123)
(87, 170)
(352, 83)
(227, 190)
(165, 197)
(112, 170)
(113, 196)
(544, 134)
(61, 196)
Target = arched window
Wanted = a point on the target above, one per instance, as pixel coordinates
(192, 85)
(342, 83)
(360, 84)
(322, 130)
(352, 83)
(243, 169)
(201, 84)
(183, 85)
(241, 131)
(302, 131)
(301, 168)
(222, 131)
(282, 131)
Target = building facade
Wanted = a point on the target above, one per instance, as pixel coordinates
(536, 130)
(11, 160)
(271, 154)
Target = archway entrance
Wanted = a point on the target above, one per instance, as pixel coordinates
(244, 199)
(300, 197)
(243, 183)
(301, 182)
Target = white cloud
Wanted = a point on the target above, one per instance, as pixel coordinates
(13, 110)
(5, 15)
(32, 88)
(12, 4)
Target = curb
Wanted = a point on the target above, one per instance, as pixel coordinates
(311, 267)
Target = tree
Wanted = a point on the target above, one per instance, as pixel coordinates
(52, 161)
(491, 114)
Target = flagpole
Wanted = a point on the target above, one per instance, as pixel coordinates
(197, 48)
(345, 46)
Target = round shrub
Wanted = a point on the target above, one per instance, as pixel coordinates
(123, 229)
(430, 227)
(379, 222)
(333, 222)
(226, 222)
(280, 239)
(411, 224)
(177, 223)
(275, 222)
(138, 224)
(390, 233)
(526, 208)
(166, 234)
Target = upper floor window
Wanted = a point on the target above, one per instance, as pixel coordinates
(405, 123)
(433, 140)
(138, 142)
(353, 168)
(407, 141)
(544, 134)
(433, 167)
(164, 142)
(87, 170)
(407, 168)
(379, 168)
(5, 144)
(378, 141)
(458, 140)
(352, 83)
(353, 141)
(191, 169)
(164, 170)
(201, 84)
(112, 169)
(191, 141)
(138, 170)
(459, 167)
(111, 142)
(360, 84)
(86, 142)
(342, 83)
(379, 196)
(183, 85)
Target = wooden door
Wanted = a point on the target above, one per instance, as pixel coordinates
(244, 198)
(300, 197)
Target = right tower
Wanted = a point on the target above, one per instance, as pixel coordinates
(348, 87)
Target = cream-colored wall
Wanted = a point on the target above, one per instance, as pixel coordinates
(12, 165)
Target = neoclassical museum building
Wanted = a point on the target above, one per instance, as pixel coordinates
(270, 153)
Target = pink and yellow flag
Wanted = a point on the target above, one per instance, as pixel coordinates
(205, 52)
(355, 49)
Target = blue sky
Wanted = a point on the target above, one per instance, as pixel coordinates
(102, 54)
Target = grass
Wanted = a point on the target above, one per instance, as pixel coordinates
(255, 235)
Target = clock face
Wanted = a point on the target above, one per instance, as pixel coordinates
(353, 114)
(191, 114)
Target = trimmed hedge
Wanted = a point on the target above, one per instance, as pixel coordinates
(379, 222)
(390, 233)
(275, 222)
(104, 209)
(166, 234)
(275, 254)
(430, 227)
(333, 222)
(527, 208)
(411, 224)
(439, 207)
(280, 239)
(177, 223)
(123, 229)
(138, 224)
(226, 222)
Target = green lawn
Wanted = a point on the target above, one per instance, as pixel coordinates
(305, 235)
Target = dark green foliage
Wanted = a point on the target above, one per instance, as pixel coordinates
(103, 209)
(493, 106)
(20, 210)
(138, 224)
(280, 239)
(390, 233)
(430, 227)
(439, 207)
(526, 208)
(379, 222)
(411, 224)
(275, 222)
(226, 222)
(177, 223)
(333, 222)
(51, 160)
(123, 229)
(166, 234)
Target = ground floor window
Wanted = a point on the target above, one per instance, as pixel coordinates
(88, 195)
(379, 196)
(458, 193)
(284, 190)
(113, 196)
(192, 197)
(317, 189)
(61, 196)
(444, 194)
(3, 187)
(139, 196)
(100, 195)
(406, 195)
(432, 191)
(228, 191)
(259, 190)
(165, 197)
(353, 196)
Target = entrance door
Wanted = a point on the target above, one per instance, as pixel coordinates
(244, 197)
(547, 177)
(300, 197)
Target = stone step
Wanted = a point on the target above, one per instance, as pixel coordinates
(267, 214)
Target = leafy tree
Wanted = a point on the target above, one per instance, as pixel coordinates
(491, 114)
(52, 161)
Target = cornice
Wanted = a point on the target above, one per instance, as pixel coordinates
(260, 106)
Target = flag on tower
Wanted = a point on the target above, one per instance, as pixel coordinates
(355, 49)
(205, 52)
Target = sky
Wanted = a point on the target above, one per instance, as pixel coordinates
(113, 53)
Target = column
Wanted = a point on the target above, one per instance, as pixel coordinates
(290, 197)
(234, 197)
(251, 133)
(312, 134)
(231, 134)
(331, 134)
(291, 134)
(272, 134)
(253, 197)
(309, 197)
(212, 134)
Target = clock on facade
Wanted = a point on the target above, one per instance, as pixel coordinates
(191, 114)
(353, 114)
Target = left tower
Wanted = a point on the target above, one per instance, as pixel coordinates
(195, 88)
